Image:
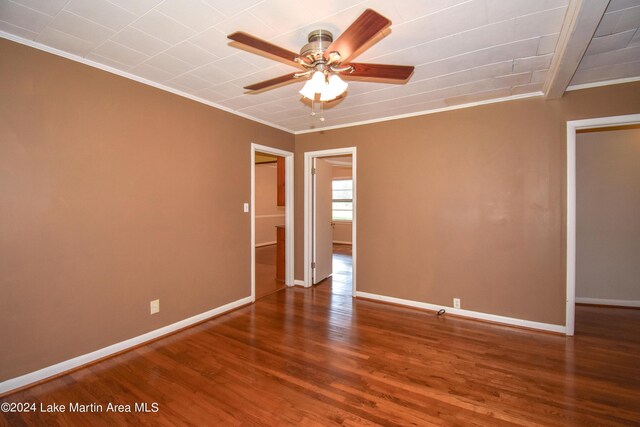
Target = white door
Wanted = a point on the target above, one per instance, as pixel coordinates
(322, 220)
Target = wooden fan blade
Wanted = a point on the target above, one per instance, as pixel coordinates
(262, 46)
(363, 29)
(268, 84)
(380, 71)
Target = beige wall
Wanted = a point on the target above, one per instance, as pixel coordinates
(268, 213)
(113, 193)
(467, 203)
(608, 214)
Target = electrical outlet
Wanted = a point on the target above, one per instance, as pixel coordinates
(456, 303)
(155, 306)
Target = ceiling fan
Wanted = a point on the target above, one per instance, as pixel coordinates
(324, 60)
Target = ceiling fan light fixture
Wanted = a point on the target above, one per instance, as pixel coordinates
(327, 94)
(333, 89)
(308, 90)
(314, 85)
(339, 86)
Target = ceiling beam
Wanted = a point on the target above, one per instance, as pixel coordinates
(580, 23)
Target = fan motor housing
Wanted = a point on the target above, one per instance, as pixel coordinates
(319, 42)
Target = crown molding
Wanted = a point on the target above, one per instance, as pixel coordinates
(424, 112)
(603, 83)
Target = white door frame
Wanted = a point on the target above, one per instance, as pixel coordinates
(572, 127)
(308, 209)
(288, 212)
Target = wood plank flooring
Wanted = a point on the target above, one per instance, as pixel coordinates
(316, 356)
(266, 282)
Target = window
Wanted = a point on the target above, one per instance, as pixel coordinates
(342, 200)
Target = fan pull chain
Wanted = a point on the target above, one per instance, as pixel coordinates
(322, 111)
(313, 107)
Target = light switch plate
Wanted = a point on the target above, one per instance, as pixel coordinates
(246, 207)
(154, 306)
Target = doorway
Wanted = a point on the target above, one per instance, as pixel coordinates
(573, 127)
(330, 214)
(271, 220)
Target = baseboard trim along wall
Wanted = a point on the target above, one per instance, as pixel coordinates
(299, 283)
(467, 313)
(68, 365)
(259, 245)
(601, 301)
(341, 242)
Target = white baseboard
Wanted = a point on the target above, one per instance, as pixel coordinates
(467, 313)
(299, 283)
(342, 242)
(67, 365)
(601, 301)
(259, 245)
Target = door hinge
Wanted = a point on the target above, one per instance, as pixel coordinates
(313, 171)
(313, 265)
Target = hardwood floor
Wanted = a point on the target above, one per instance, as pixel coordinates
(318, 357)
(266, 282)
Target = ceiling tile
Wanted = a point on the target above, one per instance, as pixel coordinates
(230, 8)
(213, 74)
(608, 23)
(18, 31)
(192, 82)
(532, 63)
(228, 90)
(412, 9)
(140, 41)
(235, 65)
(448, 22)
(49, 7)
(610, 42)
(630, 19)
(106, 61)
(177, 86)
(621, 4)
(191, 54)
(101, 12)
(478, 96)
(23, 17)
(137, 7)
(120, 53)
(287, 15)
(539, 76)
(65, 42)
(635, 40)
(515, 79)
(84, 29)
(547, 44)
(499, 10)
(537, 24)
(213, 41)
(606, 72)
(210, 95)
(492, 70)
(162, 27)
(150, 72)
(619, 56)
(169, 64)
(258, 76)
(247, 23)
(246, 100)
(528, 88)
(195, 14)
